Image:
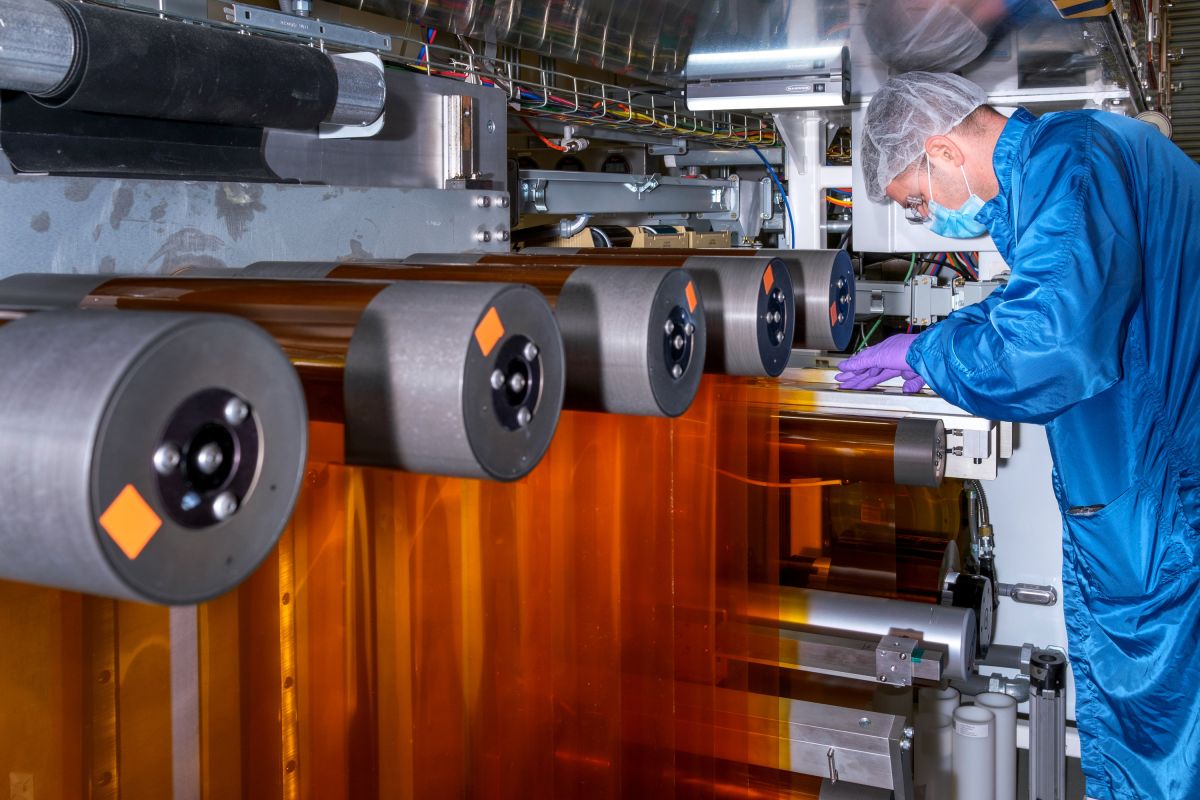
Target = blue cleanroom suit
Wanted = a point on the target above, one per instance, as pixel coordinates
(1098, 337)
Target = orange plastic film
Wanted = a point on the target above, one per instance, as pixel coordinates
(548, 280)
(313, 321)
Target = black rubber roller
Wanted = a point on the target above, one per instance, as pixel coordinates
(140, 65)
(148, 456)
(920, 452)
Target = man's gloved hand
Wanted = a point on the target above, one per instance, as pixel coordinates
(880, 363)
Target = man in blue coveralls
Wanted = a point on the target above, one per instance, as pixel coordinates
(1096, 336)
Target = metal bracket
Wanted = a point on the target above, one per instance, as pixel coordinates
(534, 192)
(894, 660)
(649, 185)
(1029, 593)
(264, 19)
(677, 147)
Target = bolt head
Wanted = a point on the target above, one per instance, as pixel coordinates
(523, 417)
(676, 371)
(689, 329)
(209, 458)
(483, 237)
(166, 459)
(905, 744)
(224, 506)
(502, 201)
(483, 201)
(678, 342)
(502, 234)
(530, 351)
(236, 411)
(669, 327)
(497, 379)
(491, 126)
(864, 722)
(517, 383)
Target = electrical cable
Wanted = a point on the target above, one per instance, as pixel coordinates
(779, 185)
(539, 135)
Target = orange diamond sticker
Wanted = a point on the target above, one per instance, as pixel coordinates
(130, 521)
(768, 279)
(488, 331)
(833, 315)
(691, 296)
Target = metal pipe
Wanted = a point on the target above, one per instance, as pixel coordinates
(37, 45)
(151, 457)
(951, 628)
(569, 227)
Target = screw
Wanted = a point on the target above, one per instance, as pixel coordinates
(841, 318)
(483, 201)
(676, 371)
(864, 722)
(166, 459)
(778, 337)
(483, 237)
(778, 295)
(209, 459)
(189, 501)
(530, 351)
(491, 126)
(678, 342)
(523, 417)
(905, 744)
(224, 506)
(497, 379)
(841, 284)
(502, 234)
(236, 411)
(502, 201)
(669, 327)
(909, 731)
(516, 383)
(689, 329)
(904, 656)
(883, 678)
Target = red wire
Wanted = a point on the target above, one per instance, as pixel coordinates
(538, 134)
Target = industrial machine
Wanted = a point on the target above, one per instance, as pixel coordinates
(526, 315)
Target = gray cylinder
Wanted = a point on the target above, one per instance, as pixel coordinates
(751, 316)
(361, 92)
(151, 456)
(952, 628)
(614, 326)
(635, 338)
(919, 455)
(37, 45)
(462, 379)
(824, 287)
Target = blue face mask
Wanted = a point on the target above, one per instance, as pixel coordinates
(955, 224)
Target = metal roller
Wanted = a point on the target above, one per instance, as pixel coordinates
(446, 378)
(635, 338)
(466, 382)
(750, 320)
(151, 457)
(823, 282)
(952, 628)
(910, 451)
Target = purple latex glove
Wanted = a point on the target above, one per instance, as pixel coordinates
(884, 361)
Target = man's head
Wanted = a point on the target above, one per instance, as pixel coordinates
(934, 35)
(928, 136)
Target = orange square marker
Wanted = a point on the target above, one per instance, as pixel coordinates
(488, 331)
(130, 521)
(691, 296)
(768, 279)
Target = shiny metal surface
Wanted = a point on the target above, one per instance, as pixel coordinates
(613, 321)
(825, 295)
(37, 45)
(418, 373)
(951, 628)
(361, 92)
(81, 418)
(741, 295)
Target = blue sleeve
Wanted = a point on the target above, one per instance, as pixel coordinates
(1054, 337)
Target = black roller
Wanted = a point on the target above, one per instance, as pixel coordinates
(143, 66)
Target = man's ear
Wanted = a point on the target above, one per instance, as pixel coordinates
(943, 149)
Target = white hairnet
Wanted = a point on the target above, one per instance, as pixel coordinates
(932, 35)
(904, 113)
